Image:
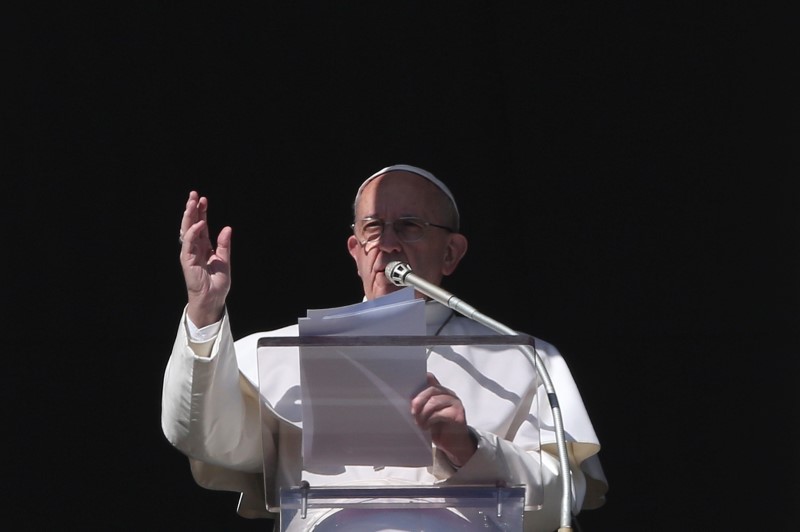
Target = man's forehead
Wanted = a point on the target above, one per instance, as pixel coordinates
(399, 194)
(397, 179)
(410, 170)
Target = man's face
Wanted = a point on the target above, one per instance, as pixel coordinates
(402, 194)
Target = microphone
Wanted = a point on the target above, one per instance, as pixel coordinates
(400, 274)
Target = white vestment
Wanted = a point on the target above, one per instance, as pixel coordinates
(210, 411)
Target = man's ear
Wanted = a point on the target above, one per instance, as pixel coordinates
(352, 246)
(454, 252)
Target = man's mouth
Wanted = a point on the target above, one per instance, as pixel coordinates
(383, 265)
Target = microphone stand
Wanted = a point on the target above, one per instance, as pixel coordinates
(400, 274)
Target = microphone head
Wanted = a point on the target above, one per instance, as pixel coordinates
(396, 272)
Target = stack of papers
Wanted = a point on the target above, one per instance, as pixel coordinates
(356, 401)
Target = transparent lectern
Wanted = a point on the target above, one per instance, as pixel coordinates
(319, 487)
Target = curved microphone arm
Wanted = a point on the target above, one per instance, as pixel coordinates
(400, 274)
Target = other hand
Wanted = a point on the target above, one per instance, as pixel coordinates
(207, 271)
(439, 409)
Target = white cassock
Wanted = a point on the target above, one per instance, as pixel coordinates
(210, 412)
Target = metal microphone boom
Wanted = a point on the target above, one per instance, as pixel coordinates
(400, 274)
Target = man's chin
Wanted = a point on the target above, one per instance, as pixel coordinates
(383, 289)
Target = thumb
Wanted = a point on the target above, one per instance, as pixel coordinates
(223, 250)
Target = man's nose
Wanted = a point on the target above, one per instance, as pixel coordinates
(388, 240)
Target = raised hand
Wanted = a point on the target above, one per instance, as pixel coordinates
(207, 271)
(439, 409)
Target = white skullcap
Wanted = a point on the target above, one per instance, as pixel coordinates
(414, 170)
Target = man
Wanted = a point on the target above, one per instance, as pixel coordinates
(483, 427)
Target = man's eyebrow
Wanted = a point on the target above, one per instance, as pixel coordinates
(403, 215)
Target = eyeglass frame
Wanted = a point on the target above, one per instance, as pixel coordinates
(424, 223)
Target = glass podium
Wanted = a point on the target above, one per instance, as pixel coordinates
(332, 503)
(407, 509)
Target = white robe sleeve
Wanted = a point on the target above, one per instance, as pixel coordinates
(209, 411)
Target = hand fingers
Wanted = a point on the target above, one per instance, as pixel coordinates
(202, 208)
(437, 404)
(196, 210)
(434, 387)
(188, 217)
(224, 244)
(191, 240)
(193, 235)
(441, 409)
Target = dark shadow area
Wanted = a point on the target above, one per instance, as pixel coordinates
(623, 177)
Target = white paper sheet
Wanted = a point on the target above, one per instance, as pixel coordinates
(356, 401)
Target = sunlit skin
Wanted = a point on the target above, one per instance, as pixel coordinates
(207, 273)
(392, 196)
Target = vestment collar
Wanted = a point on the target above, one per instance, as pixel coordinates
(435, 315)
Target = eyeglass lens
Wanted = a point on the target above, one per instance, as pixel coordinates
(406, 229)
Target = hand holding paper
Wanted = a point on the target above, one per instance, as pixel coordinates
(439, 410)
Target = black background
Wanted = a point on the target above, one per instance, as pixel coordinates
(622, 170)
